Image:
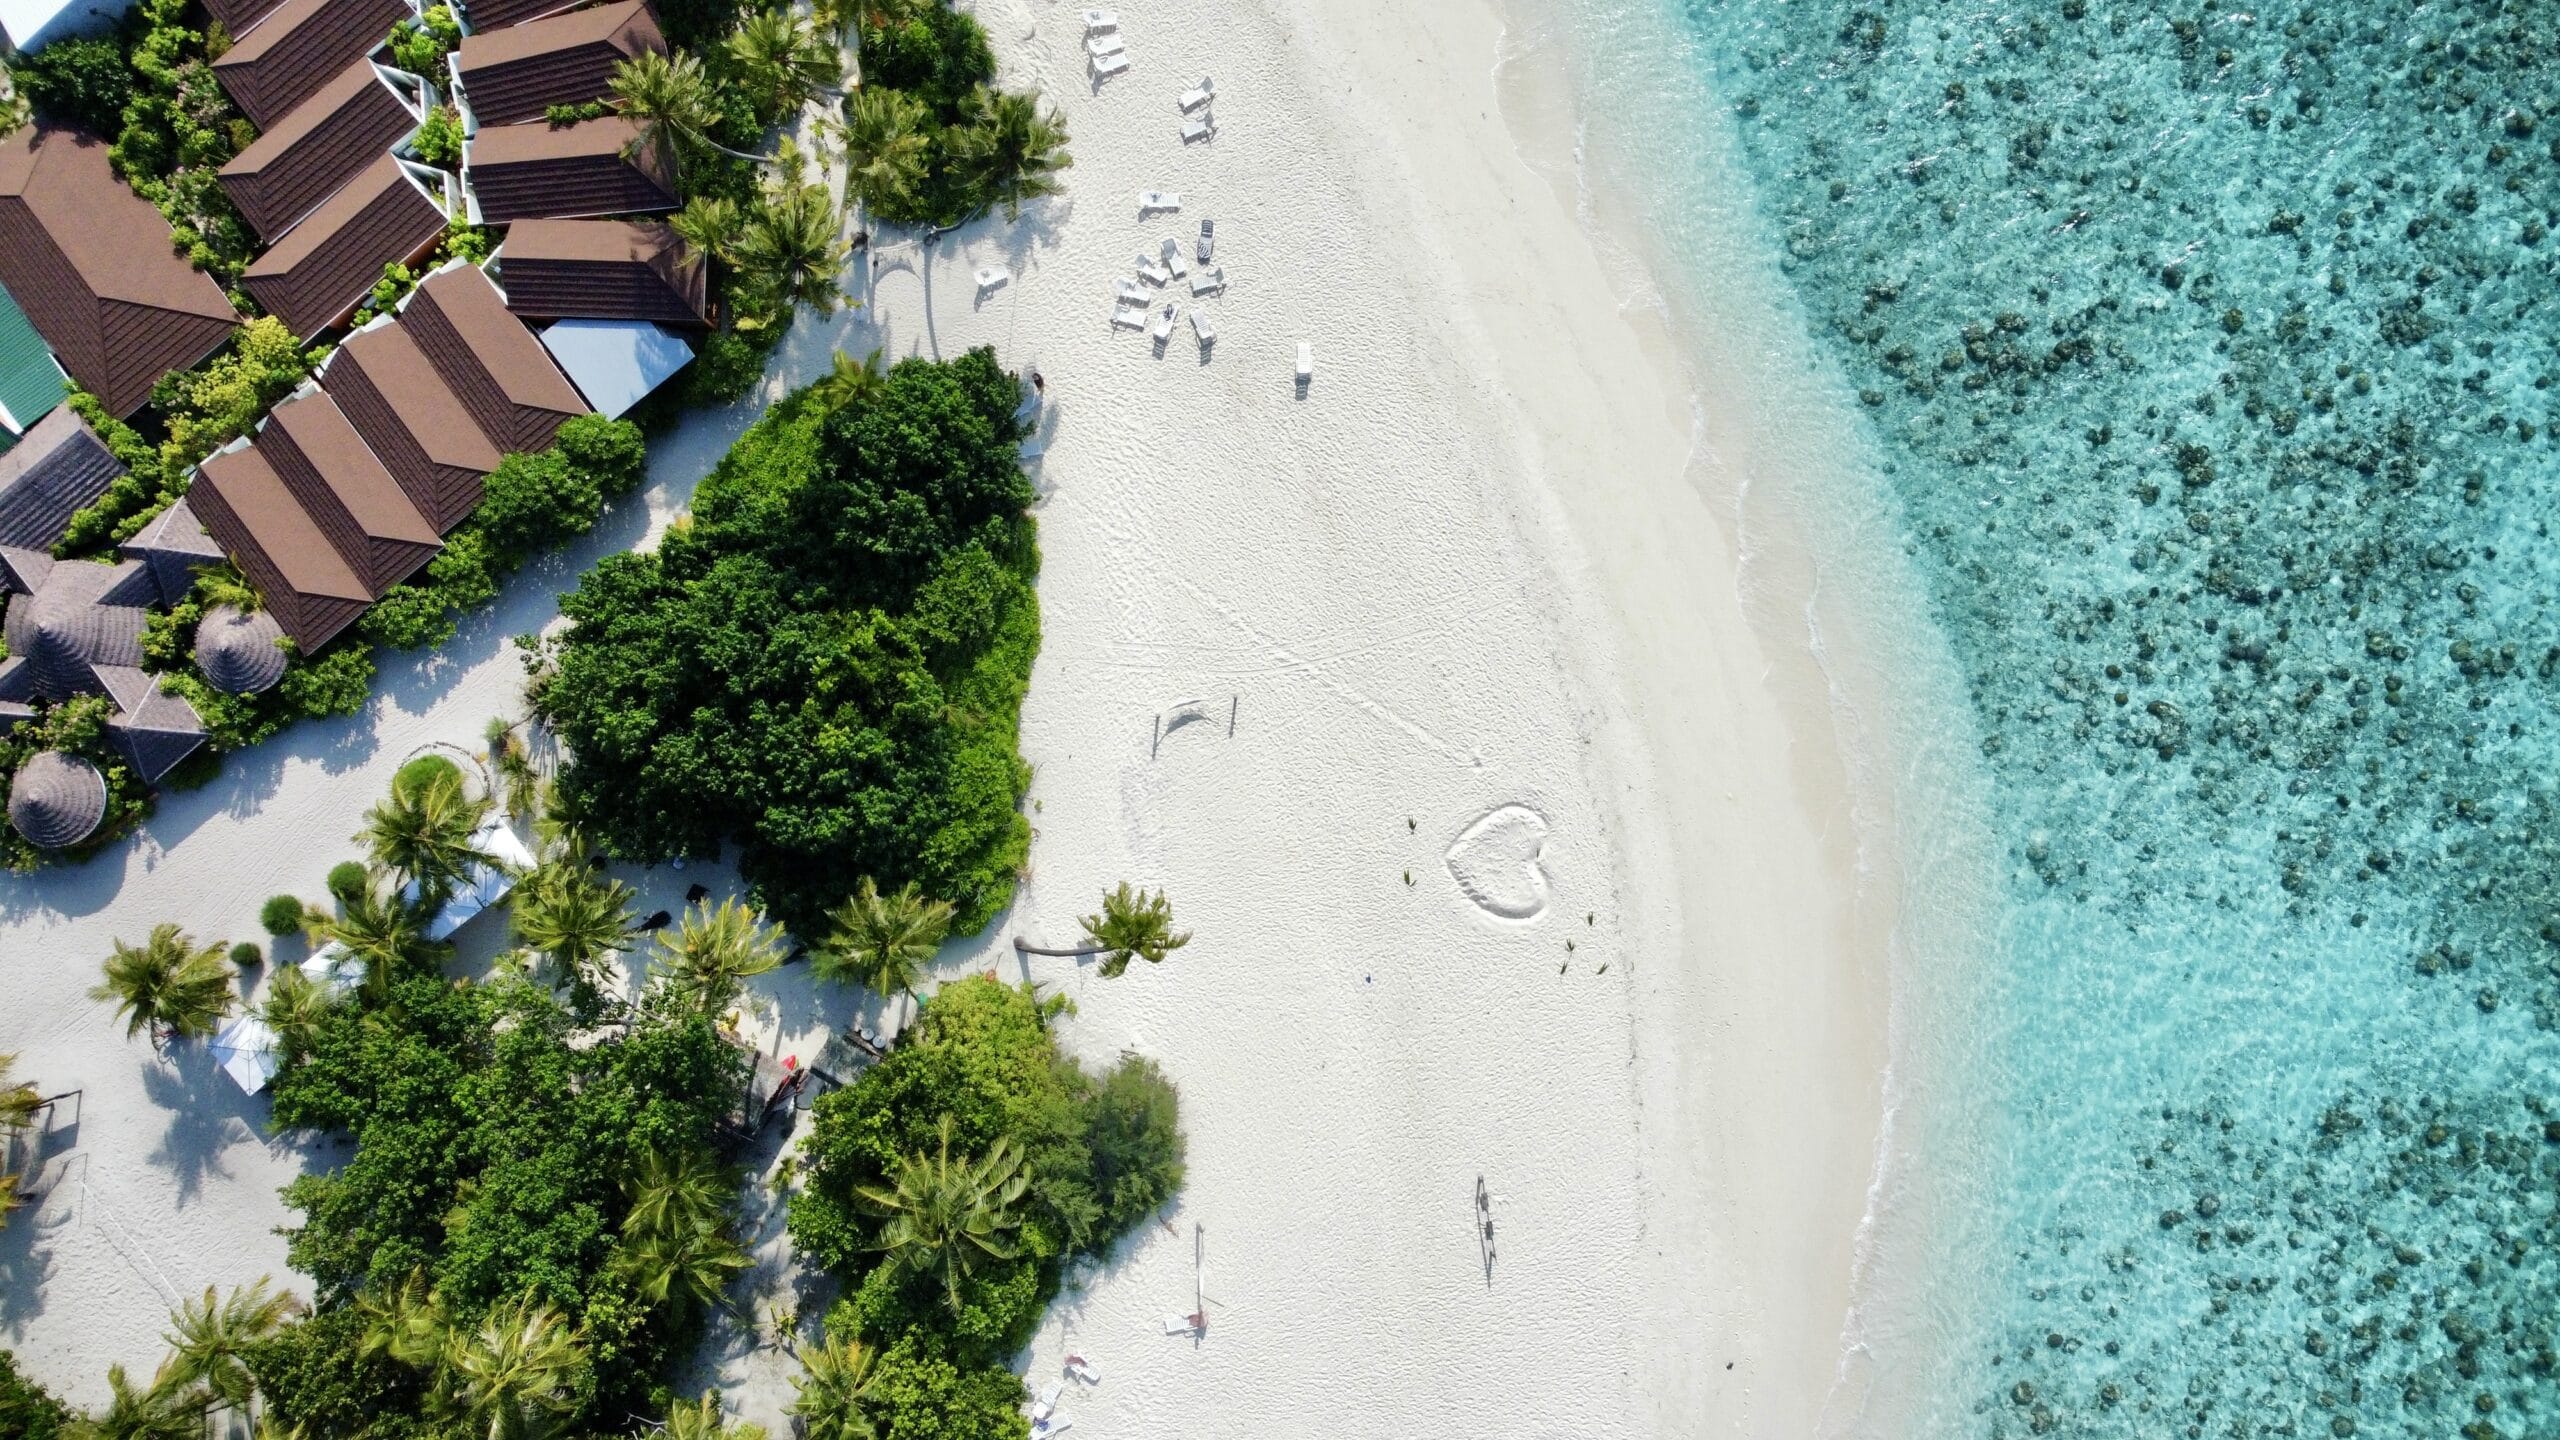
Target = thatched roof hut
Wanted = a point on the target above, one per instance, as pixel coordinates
(57, 800)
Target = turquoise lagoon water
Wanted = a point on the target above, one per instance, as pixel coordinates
(2207, 362)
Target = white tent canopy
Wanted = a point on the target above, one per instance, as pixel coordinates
(335, 969)
(246, 1051)
(616, 363)
(486, 885)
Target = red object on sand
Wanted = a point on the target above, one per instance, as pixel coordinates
(790, 1062)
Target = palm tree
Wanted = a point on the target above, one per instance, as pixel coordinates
(379, 928)
(1012, 152)
(884, 149)
(511, 1373)
(163, 1412)
(19, 1102)
(577, 917)
(782, 61)
(682, 1267)
(713, 951)
(406, 1324)
(169, 985)
(424, 832)
(673, 1194)
(882, 942)
(296, 1009)
(1133, 925)
(851, 381)
(211, 1337)
(945, 1215)
(514, 764)
(701, 1420)
(836, 1378)
(708, 223)
(788, 252)
(671, 98)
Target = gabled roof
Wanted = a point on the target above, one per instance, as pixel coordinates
(346, 491)
(602, 270)
(299, 47)
(239, 16)
(30, 381)
(534, 170)
(79, 632)
(323, 268)
(327, 141)
(174, 545)
(490, 360)
(499, 14)
(91, 263)
(413, 420)
(518, 72)
(55, 469)
(309, 587)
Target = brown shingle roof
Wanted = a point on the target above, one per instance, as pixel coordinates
(307, 585)
(413, 421)
(516, 73)
(499, 14)
(89, 261)
(602, 270)
(534, 171)
(494, 364)
(326, 142)
(320, 272)
(301, 45)
(237, 16)
(314, 449)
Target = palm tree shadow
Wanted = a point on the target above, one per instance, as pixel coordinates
(208, 1115)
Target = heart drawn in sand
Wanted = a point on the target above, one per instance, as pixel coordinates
(1495, 862)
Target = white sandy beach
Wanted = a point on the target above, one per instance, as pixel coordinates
(1398, 687)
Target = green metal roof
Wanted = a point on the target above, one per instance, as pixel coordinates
(30, 383)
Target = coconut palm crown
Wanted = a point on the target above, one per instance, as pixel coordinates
(169, 986)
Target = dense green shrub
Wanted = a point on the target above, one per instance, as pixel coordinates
(419, 45)
(281, 915)
(933, 141)
(827, 664)
(83, 82)
(916, 1393)
(177, 131)
(347, 878)
(26, 1411)
(1101, 1156)
(247, 956)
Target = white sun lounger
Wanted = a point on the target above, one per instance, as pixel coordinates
(1047, 1402)
(1200, 323)
(1129, 317)
(1180, 1324)
(1172, 252)
(1097, 21)
(1133, 293)
(1210, 280)
(1306, 362)
(1107, 44)
(1149, 200)
(1208, 239)
(1054, 1425)
(1200, 129)
(1195, 98)
(991, 276)
(1110, 64)
(1162, 330)
(1082, 1369)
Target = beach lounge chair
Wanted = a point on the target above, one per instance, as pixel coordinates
(1082, 1369)
(1306, 362)
(1129, 317)
(1199, 129)
(1133, 293)
(1054, 1425)
(1172, 252)
(1210, 280)
(1200, 323)
(991, 276)
(1097, 21)
(1151, 272)
(1208, 240)
(1151, 200)
(1193, 99)
(1110, 44)
(1048, 1401)
(1107, 65)
(1180, 1324)
(1162, 330)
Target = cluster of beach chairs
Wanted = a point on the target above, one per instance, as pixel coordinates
(1105, 53)
(1045, 1419)
(1139, 303)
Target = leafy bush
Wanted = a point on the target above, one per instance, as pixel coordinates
(176, 132)
(281, 915)
(83, 82)
(424, 771)
(918, 1394)
(247, 956)
(934, 142)
(347, 878)
(419, 45)
(77, 726)
(763, 676)
(981, 1067)
(26, 1411)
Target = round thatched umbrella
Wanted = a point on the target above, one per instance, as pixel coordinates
(238, 652)
(57, 800)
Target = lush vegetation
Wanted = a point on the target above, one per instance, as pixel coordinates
(950, 1185)
(419, 45)
(19, 1104)
(928, 140)
(26, 1411)
(78, 726)
(826, 664)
